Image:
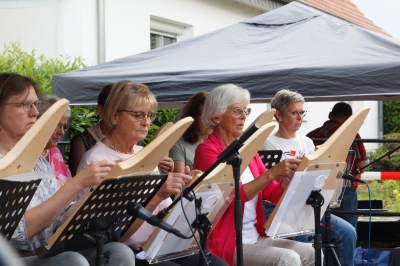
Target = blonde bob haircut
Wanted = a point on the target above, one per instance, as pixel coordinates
(124, 94)
(219, 99)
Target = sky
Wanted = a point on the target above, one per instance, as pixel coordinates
(383, 13)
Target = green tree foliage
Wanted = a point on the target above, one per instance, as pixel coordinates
(163, 116)
(391, 117)
(40, 68)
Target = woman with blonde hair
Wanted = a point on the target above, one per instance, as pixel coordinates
(128, 112)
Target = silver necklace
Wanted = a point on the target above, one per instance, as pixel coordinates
(112, 147)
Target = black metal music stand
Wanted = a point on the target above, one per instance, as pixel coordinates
(270, 157)
(103, 216)
(16, 193)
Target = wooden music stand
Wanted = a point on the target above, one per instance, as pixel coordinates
(17, 181)
(135, 170)
(218, 182)
(263, 119)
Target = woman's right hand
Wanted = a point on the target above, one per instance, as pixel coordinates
(173, 185)
(94, 173)
(286, 168)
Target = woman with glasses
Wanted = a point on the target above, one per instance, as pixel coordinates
(290, 114)
(128, 112)
(47, 209)
(225, 110)
(51, 153)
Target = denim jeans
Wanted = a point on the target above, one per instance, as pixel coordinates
(343, 236)
(349, 203)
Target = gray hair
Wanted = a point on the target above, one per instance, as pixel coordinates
(47, 100)
(284, 98)
(219, 99)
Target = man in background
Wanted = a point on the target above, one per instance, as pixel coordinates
(339, 114)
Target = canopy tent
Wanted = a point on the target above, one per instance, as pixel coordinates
(296, 46)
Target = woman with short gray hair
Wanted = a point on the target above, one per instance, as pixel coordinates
(222, 97)
(226, 111)
(290, 114)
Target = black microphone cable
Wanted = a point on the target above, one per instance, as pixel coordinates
(196, 223)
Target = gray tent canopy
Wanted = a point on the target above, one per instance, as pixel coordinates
(296, 47)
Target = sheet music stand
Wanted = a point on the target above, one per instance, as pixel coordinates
(293, 216)
(16, 193)
(270, 157)
(103, 212)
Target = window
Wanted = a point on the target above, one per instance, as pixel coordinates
(165, 31)
(158, 40)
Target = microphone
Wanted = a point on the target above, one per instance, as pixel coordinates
(352, 178)
(138, 211)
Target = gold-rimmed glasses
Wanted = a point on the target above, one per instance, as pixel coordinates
(139, 115)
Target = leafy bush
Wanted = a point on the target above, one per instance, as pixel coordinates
(386, 190)
(386, 164)
(40, 68)
(163, 116)
(391, 117)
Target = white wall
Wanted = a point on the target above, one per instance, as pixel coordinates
(128, 22)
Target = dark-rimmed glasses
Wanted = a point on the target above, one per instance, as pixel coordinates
(296, 114)
(27, 106)
(139, 115)
(238, 112)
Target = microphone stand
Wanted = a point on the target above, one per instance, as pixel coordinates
(388, 154)
(231, 156)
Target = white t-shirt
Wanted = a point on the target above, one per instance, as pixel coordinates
(302, 144)
(249, 232)
(101, 152)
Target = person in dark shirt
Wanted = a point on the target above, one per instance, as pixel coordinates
(339, 114)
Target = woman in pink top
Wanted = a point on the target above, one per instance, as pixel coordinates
(128, 112)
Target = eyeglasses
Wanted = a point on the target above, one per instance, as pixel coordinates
(64, 127)
(27, 106)
(296, 114)
(237, 112)
(138, 115)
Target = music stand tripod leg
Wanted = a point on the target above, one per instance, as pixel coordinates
(316, 200)
(203, 226)
(330, 248)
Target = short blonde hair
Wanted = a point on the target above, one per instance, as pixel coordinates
(123, 94)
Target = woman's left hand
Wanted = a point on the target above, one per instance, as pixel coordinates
(166, 165)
